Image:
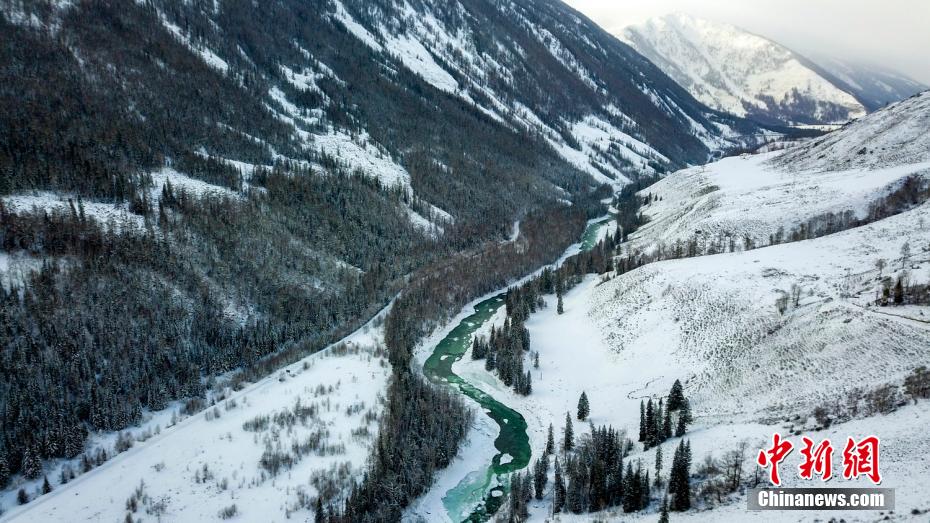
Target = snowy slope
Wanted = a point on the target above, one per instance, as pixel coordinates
(741, 73)
(874, 86)
(756, 196)
(210, 461)
(896, 135)
(716, 316)
(742, 197)
(711, 322)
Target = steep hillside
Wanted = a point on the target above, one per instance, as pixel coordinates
(897, 135)
(825, 184)
(742, 73)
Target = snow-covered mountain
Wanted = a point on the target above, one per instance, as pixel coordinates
(874, 86)
(739, 72)
(894, 136)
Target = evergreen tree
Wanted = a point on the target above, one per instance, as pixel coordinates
(560, 308)
(679, 482)
(684, 418)
(650, 425)
(32, 466)
(676, 396)
(642, 421)
(574, 499)
(666, 424)
(631, 489)
(659, 465)
(558, 489)
(584, 409)
(550, 442)
(541, 475)
(21, 497)
(568, 442)
(663, 515)
(657, 420)
(319, 515)
(46, 486)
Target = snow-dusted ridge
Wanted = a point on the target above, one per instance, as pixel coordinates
(756, 196)
(739, 72)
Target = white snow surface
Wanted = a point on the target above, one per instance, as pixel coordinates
(754, 196)
(344, 385)
(731, 69)
(896, 135)
(712, 323)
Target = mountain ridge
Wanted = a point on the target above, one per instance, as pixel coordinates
(751, 75)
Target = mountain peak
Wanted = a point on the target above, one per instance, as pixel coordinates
(737, 71)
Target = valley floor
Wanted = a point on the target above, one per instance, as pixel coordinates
(749, 370)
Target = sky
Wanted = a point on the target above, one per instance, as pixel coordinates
(891, 33)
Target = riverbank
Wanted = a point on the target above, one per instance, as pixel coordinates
(460, 488)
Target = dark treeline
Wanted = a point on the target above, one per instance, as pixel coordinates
(628, 204)
(903, 292)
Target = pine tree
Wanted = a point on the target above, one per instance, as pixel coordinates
(558, 489)
(21, 497)
(676, 396)
(541, 476)
(657, 420)
(584, 409)
(568, 443)
(650, 426)
(631, 487)
(642, 421)
(32, 466)
(46, 486)
(550, 442)
(574, 499)
(560, 307)
(319, 515)
(663, 515)
(679, 482)
(666, 424)
(684, 418)
(659, 465)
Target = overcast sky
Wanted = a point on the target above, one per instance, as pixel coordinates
(893, 33)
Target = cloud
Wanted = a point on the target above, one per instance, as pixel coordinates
(892, 33)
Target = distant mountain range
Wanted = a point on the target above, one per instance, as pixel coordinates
(733, 70)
